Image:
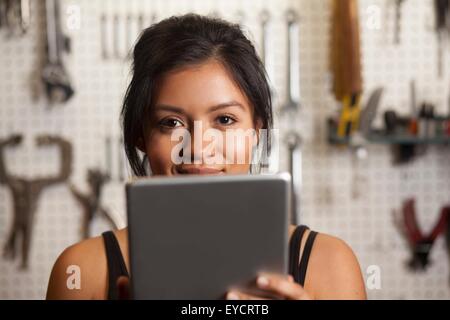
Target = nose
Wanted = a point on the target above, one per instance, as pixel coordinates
(201, 145)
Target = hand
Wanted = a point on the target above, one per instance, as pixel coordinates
(123, 286)
(282, 286)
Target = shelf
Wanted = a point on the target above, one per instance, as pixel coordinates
(381, 137)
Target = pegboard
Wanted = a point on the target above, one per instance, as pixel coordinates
(327, 203)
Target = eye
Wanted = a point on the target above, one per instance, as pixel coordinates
(226, 120)
(170, 123)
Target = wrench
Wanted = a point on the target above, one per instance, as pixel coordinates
(54, 75)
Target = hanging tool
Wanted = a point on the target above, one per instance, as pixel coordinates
(421, 244)
(398, 20)
(264, 18)
(121, 165)
(108, 155)
(413, 124)
(345, 64)
(104, 36)
(359, 178)
(116, 37)
(54, 74)
(426, 121)
(26, 193)
(129, 36)
(2, 13)
(291, 108)
(118, 34)
(15, 16)
(141, 22)
(447, 129)
(359, 141)
(442, 9)
(265, 48)
(350, 113)
(294, 143)
(10, 17)
(273, 163)
(25, 15)
(91, 201)
(369, 112)
(292, 75)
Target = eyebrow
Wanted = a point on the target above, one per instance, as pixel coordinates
(213, 108)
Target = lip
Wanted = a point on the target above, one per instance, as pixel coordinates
(198, 170)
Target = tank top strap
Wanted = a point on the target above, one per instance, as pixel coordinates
(115, 262)
(298, 269)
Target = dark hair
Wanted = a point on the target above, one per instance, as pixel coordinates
(180, 41)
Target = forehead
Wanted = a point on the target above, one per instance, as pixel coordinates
(196, 88)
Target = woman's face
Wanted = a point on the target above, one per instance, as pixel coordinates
(205, 104)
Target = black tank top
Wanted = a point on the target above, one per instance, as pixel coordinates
(118, 268)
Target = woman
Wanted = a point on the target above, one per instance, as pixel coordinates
(189, 70)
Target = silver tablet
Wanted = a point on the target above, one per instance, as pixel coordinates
(196, 237)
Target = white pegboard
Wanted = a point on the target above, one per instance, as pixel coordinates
(327, 202)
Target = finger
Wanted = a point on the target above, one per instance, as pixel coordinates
(238, 295)
(123, 286)
(282, 285)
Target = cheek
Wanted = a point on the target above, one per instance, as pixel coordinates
(242, 154)
(158, 150)
(242, 159)
(240, 150)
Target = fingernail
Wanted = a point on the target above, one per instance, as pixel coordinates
(232, 296)
(263, 281)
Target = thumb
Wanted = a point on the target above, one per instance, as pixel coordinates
(123, 287)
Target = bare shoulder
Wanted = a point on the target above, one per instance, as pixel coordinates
(334, 271)
(85, 259)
